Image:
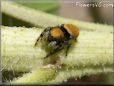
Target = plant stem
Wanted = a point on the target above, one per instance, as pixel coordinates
(39, 76)
(32, 16)
(54, 75)
(18, 48)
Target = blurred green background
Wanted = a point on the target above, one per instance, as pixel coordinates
(65, 9)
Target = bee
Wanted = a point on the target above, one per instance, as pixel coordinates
(59, 36)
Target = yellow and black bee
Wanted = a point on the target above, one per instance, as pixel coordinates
(59, 36)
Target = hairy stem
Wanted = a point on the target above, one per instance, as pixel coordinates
(32, 16)
(18, 49)
(55, 75)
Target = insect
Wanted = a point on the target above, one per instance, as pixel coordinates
(59, 36)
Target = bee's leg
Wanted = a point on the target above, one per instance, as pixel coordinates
(41, 35)
(56, 49)
(76, 40)
(68, 46)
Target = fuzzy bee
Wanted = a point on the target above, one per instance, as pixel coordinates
(59, 36)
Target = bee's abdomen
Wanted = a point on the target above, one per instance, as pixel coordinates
(56, 32)
(72, 29)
